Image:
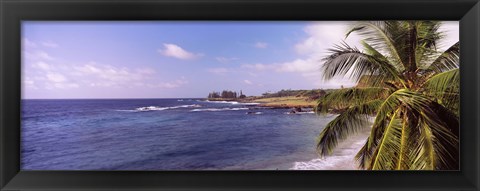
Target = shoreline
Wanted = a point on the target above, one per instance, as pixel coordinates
(342, 158)
(286, 102)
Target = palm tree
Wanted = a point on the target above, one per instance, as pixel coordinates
(410, 88)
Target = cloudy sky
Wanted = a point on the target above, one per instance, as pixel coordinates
(178, 59)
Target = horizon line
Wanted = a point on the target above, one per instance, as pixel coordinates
(108, 98)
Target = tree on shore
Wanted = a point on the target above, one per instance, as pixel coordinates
(214, 95)
(223, 94)
(242, 95)
(412, 91)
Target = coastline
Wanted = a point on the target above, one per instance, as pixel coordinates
(286, 102)
(342, 158)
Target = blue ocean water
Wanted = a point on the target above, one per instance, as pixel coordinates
(163, 134)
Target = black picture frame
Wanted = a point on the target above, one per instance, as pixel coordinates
(12, 12)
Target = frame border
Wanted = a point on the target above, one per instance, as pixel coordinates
(12, 12)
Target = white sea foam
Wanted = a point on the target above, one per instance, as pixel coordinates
(232, 102)
(156, 108)
(151, 108)
(126, 110)
(245, 103)
(220, 109)
(343, 157)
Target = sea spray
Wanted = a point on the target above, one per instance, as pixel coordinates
(343, 156)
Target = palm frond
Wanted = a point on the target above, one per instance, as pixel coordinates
(347, 123)
(434, 130)
(448, 60)
(416, 125)
(364, 156)
(423, 153)
(378, 55)
(343, 98)
(445, 87)
(344, 59)
(383, 36)
(428, 35)
(385, 111)
(386, 155)
(445, 127)
(383, 118)
(437, 143)
(440, 83)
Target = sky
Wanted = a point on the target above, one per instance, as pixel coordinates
(180, 59)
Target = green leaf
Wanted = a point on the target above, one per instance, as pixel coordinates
(344, 59)
(382, 35)
(346, 97)
(448, 60)
(349, 122)
(386, 154)
(445, 87)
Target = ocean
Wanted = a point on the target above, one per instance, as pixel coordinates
(172, 134)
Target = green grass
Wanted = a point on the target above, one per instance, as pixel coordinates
(288, 101)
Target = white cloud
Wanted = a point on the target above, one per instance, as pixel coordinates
(42, 65)
(26, 43)
(320, 36)
(300, 65)
(115, 75)
(65, 85)
(173, 84)
(248, 82)
(260, 45)
(146, 71)
(225, 60)
(219, 71)
(337, 82)
(59, 81)
(50, 44)
(323, 35)
(43, 71)
(38, 55)
(100, 75)
(31, 51)
(173, 50)
(29, 83)
(56, 78)
(44, 55)
(451, 31)
(48, 76)
(259, 67)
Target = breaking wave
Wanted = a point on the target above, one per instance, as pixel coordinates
(220, 109)
(156, 108)
(232, 102)
(343, 157)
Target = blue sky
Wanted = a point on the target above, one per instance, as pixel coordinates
(178, 59)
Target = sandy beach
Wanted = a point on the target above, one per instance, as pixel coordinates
(343, 157)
